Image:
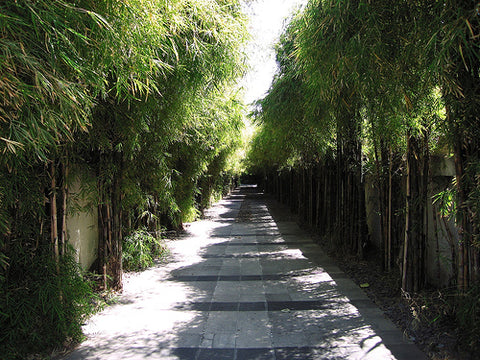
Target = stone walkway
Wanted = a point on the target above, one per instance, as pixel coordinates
(243, 285)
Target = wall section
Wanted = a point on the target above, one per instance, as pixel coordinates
(82, 226)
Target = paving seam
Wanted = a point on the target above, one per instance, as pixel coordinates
(273, 345)
(229, 243)
(253, 234)
(273, 277)
(246, 256)
(287, 305)
(274, 353)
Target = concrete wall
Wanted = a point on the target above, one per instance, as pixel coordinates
(372, 206)
(442, 233)
(82, 228)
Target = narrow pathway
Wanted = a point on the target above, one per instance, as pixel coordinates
(243, 286)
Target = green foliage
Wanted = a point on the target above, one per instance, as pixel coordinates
(445, 201)
(350, 70)
(168, 135)
(468, 317)
(368, 85)
(140, 249)
(347, 69)
(43, 98)
(41, 309)
(203, 150)
(289, 132)
(137, 93)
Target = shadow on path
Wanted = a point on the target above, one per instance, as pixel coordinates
(241, 285)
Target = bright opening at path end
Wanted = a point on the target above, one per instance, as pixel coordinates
(267, 19)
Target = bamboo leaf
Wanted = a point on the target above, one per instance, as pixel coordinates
(470, 28)
(461, 54)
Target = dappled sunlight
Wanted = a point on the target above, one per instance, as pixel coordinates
(137, 319)
(315, 277)
(238, 287)
(291, 254)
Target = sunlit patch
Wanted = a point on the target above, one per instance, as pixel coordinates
(362, 342)
(317, 276)
(292, 254)
(230, 285)
(136, 320)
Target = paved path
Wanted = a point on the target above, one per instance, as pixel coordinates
(243, 286)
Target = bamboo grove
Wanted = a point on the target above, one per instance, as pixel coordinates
(372, 91)
(133, 99)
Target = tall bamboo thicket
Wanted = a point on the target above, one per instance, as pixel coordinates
(134, 98)
(372, 90)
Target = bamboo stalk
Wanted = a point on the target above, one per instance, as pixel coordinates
(319, 198)
(476, 266)
(311, 208)
(465, 266)
(292, 190)
(389, 211)
(64, 206)
(426, 187)
(101, 234)
(453, 252)
(461, 283)
(280, 187)
(437, 244)
(416, 214)
(117, 225)
(381, 203)
(407, 216)
(108, 243)
(53, 214)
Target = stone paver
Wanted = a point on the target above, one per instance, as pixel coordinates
(243, 286)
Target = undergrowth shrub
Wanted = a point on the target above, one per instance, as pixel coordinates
(468, 318)
(40, 308)
(140, 250)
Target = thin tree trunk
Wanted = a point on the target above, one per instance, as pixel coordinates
(116, 254)
(379, 167)
(425, 190)
(407, 217)
(362, 214)
(331, 206)
(292, 191)
(54, 215)
(437, 244)
(453, 251)
(462, 258)
(311, 198)
(102, 232)
(327, 192)
(319, 197)
(108, 243)
(64, 206)
(476, 266)
(338, 224)
(303, 191)
(389, 224)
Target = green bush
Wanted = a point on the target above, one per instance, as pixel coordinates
(468, 318)
(41, 309)
(140, 249)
